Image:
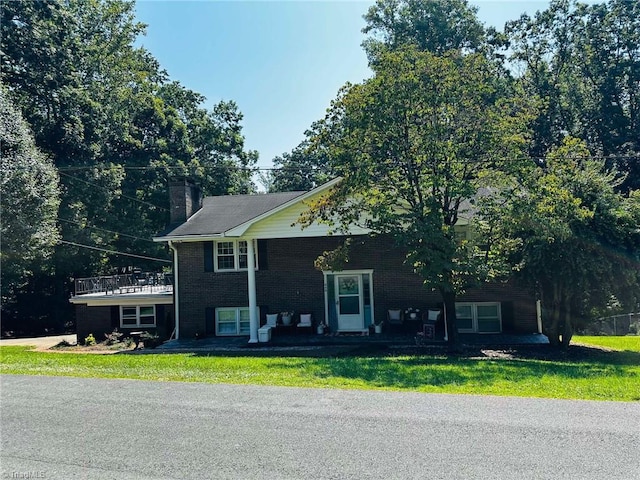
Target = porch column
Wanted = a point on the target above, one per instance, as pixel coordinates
(254, 321)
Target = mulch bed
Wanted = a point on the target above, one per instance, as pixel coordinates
(575, 353)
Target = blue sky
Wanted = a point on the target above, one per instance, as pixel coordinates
(282, 62)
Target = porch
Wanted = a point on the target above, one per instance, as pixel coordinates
(339, 343)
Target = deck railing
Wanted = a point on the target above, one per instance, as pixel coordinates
(127, 283)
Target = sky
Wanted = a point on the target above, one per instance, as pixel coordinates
(282, 62)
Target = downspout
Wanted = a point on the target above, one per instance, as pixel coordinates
(176, 298)
(539, 315)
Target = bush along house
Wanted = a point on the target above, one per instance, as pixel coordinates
(243, 266)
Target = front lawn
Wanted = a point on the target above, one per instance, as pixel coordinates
(628, 343)
(586, 373)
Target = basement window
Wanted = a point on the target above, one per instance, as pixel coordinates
(137, 316)
(232, 321)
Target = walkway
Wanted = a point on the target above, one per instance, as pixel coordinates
(336, 344)
(42, 342)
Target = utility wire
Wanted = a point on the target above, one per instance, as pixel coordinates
(114, 252)
(105, 188)
(105, 230)
(296, 168)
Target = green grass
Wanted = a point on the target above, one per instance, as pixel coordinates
(607, 376)
(628, 343)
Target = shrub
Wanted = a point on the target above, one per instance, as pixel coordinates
(63, 344)
(113, 337)
(90, 340)
(150, 340)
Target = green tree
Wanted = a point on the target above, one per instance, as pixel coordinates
(413, 145)
(306, 167)
(30, 199)
(430, 26)
(583, 62)
(102, 109)
(573, 237)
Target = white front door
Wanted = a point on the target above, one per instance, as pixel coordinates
(349, 302)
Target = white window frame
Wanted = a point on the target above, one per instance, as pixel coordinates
(237, 311)
(474, 316)
(236, 255)
(138, 324)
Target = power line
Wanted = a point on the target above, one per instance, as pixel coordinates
(296, 168)
(121, 194)
(114, 252)
(105, 230)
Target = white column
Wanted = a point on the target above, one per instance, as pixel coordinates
(254, 321)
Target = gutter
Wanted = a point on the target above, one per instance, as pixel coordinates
(176, 304)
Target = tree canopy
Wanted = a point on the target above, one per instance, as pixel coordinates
(415, 143)
(583, 63)
(30, 199)
(568, 232)
(115, 127)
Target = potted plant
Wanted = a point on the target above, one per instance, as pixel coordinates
(286, 317)
(321, 328)
(412, 312)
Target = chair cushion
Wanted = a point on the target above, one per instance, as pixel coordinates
(272, 319)
(305, 320)
(394, 314)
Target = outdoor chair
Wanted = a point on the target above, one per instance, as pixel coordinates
(272, 319)
(305, 322)
(395, 317)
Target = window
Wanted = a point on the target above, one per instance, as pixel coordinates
(138, 316)
(231, 255)
(232, 321)
(480, 317)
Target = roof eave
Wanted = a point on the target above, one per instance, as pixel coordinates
(188, 238)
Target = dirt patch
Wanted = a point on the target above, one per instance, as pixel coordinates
(575, 353)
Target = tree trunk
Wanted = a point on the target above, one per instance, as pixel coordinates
(567, 327)
(449, 299)
(552, 325)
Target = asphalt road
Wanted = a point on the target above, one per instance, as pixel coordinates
(68, 428)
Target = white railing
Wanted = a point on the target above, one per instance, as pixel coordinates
(128, 283)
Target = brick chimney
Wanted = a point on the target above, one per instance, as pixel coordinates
(184, 200)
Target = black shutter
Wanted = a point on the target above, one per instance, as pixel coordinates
(508, 318)
(115, 318)
(262, 255)
(210, 321)
(208, 256)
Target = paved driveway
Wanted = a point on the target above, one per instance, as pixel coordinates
(68, 428)
(40, 342)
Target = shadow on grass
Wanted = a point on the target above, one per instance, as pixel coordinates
(474, 368)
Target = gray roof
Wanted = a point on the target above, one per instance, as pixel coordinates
(222, 213)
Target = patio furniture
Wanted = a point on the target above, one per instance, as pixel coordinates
(429, 319)
(272, 319)
(305, 322)
(395, 317)
(264, 333)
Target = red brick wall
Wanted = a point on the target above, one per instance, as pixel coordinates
(104, 319)
(290, 282)
(95, 320)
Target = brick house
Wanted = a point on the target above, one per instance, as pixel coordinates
(238, 258)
